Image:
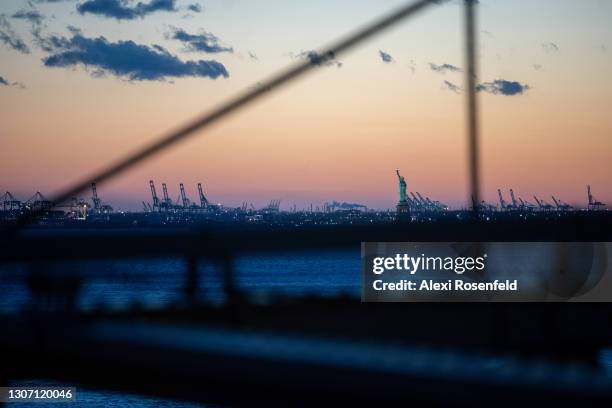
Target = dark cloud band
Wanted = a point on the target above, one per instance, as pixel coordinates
(126, 59)
(502, 87)
(33, 16)
(444, 68)
(119, 10)
(318, 59)
(452, 87)
(205, 42)
(497, 87)
(195, 8)
(9, 37)
(5, 82)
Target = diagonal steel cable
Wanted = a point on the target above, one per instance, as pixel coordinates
(272, 83)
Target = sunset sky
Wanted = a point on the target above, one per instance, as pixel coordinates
(85, 82)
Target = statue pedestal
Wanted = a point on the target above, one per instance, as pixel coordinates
(403, 211)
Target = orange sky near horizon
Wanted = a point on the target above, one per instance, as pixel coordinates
(337, 134)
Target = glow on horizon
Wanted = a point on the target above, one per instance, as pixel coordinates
(338, 134)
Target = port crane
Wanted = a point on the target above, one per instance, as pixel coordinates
(38, 202)
(416, 200)
(593, 204)
(154, 195)
(502, 202)
(203, 200)
(487, 206)
(274, 206)
(436, 205)
(560, 204)
(78, 208)
(515, 204)
(184, 198)
(543, 204)
(430, 203)
(422, 200)
(167, 201)
(98, 205)
(9, 202)
(411, 203)
(526, 204)
(425, 204)
(94, 197)
(483, 205)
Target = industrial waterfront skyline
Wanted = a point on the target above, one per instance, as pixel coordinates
(163, 199)
(335, 135)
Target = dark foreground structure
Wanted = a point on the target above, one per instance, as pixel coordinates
(300, 351)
